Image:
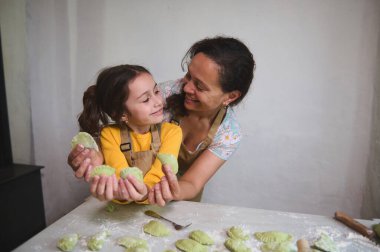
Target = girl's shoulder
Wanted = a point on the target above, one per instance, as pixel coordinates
(170, 127)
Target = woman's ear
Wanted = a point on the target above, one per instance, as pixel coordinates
(231, 97)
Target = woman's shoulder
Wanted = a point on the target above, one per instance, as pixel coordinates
(168, 88)
(230, 122)
(228, 137)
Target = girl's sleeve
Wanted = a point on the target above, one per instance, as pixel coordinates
(110, 142)
(171, 138)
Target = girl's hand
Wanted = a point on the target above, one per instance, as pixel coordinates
(104, 187)
(132, 189)
(82, 160)
(166, 190)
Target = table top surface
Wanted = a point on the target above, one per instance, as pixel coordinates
(92, 217)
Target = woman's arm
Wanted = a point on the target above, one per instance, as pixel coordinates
(190, 184)
(82, 160)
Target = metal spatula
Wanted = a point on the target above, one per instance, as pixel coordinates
(156, 215)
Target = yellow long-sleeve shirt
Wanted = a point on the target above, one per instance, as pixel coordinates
(170, 136)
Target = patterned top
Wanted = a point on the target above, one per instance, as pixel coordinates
(228, 136)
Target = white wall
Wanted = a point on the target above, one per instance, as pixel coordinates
(13, 31)
(306, 123)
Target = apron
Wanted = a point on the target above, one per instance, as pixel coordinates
(140, 159)
(186, 158)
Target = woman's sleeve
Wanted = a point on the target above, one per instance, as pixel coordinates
(227, 139)
(171, 138)
(168, 88)
(110, 142)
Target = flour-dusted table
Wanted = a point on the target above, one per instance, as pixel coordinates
(91, 217)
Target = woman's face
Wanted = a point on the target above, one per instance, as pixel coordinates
(203, 92)
(144, 105)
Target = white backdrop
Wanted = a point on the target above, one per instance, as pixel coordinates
(306, 123)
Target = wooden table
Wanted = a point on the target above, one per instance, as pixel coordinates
(91, 217)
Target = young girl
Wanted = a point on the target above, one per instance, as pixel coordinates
(125, 109)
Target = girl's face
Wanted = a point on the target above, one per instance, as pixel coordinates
(144, 105)
(203, 92)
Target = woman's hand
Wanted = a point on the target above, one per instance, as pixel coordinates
(131, 189)
(104, 187)
(82, 160)
(166, 190)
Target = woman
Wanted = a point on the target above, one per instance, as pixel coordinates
(220, 72)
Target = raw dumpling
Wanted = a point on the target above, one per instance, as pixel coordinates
(96, 241)
(130, 242)
(189, 245)
(236, 245)
(169, 159)
(134, 171)
(278, 247)
(68, 242)
(156, 228)
(84, 139)
(201, 237)
(326, 243)
(102, 170)
(237, 233)
(273, 236)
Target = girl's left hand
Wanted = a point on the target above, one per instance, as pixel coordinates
(104, 187)
(132, 190)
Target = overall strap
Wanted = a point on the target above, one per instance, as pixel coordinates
(215, 125)
(126, 145)
(156, 142)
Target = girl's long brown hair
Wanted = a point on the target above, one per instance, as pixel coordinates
(106, 98)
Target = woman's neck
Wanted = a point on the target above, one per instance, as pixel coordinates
(203, 116)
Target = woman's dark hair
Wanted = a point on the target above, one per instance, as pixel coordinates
(235, 61)
(106, 98)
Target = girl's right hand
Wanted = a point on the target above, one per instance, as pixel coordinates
(82, 160)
